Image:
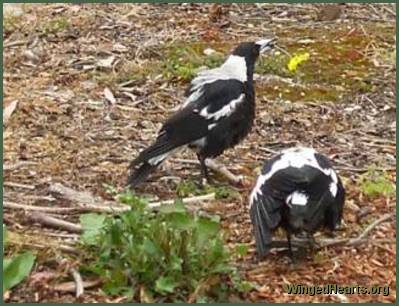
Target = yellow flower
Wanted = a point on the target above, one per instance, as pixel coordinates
(296, 60)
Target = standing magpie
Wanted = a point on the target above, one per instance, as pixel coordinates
(217, 114)
(297, 190)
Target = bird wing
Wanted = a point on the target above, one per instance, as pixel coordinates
(265, 216)
(193, 122)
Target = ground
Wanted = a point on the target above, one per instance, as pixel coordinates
(92, 84)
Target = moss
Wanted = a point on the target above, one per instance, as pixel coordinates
(11, 23)
(55, 26)
(183, 60)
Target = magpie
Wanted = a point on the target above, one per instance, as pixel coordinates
(217, 114)
(299, 191)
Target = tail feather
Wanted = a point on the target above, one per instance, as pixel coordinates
(160, 147)
(139, 175)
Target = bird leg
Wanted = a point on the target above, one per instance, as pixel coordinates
(312, 242)
(290, 253)
(204, 171)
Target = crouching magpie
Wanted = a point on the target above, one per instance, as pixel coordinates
(217, 114)
(297, 190)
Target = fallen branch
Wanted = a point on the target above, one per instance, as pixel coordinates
(221, 169)
(364, 234)
(7, 204)
(85, 200)
(55, 223)
(216, 167)
(89, 202)
(190, 200)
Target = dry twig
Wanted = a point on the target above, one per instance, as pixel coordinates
(55, 223)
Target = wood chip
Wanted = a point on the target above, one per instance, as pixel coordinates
(9, 110)
(109, 96)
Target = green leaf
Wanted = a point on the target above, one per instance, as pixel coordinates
(165, 284)
(182, 221)
(150, 248)
(92, 225)
(16, 269)
(4, 236)
(206, 229)
(241, 250)
(177, 207)
(127, 197)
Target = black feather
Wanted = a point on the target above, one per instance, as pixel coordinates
(139, 175)
(303, 175)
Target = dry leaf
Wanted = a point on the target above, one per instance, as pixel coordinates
(8, 110)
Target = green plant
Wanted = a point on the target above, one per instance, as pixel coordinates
(375, 183)
(190, 188)
(15, 268)
(170, 254)
(11, 23)
(56, 25)
(184, 61)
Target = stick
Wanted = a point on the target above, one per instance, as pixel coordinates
(18, 185)
(322, 243)
(363, 235)
(14, 43)
(88, 202)
(190, 200)
(54, 222)
(71, 286)
(18, 165)
(7, 204)
(78, 281)
(219, 168)
(214, 166)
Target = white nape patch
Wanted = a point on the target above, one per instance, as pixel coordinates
(297, 198)
(211, 126)
(293, 157)
(158, 159)
(234, 68)
(224, 111)
(333, 189)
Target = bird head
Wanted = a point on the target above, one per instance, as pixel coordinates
(252, 50)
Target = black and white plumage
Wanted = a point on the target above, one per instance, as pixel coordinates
(218, 113)
(297, 190)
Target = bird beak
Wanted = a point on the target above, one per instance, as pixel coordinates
(266, 44)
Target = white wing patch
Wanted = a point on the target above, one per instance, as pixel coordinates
(158, 159)
(297, 198)
(226, 110)
(296, 158)
(333, 189)
(211, 126)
